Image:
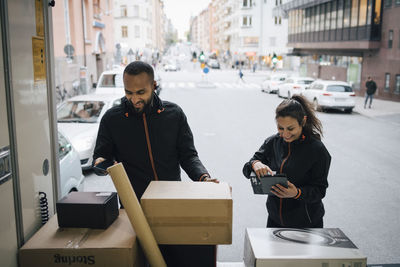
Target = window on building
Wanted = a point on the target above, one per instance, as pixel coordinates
(346, 13)
(340, 14)
(362, 18)
(137, 31)
(377, 18)
(322, 17)
(247, 3)
(124, 11)
(387, 81)
(313, 19)
(333, 14)
(354, 14)
(276, 20)
(124, 31)
(316, 17)
(369, 12)
(246, 21)
(136, 11)
(397, 88)
(276, 2)
(387, 3)
(390, 39)
(280, 20)
(328, 16)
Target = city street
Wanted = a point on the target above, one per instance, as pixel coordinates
(231, 119)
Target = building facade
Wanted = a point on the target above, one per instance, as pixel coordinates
(348, 40)
(83, 44)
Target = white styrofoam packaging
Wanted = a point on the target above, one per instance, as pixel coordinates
(285, 247)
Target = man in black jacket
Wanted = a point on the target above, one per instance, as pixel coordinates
(151, 138)
(371, 89)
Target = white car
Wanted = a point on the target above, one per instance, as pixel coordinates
(71, 177)
(294, 85)
(111, 82)
(79, 118)
(170, 67)
(330, 94)
(271, 83)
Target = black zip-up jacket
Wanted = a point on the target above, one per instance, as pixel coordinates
(122, 137)
(306, 163)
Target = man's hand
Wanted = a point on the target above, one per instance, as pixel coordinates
(283, 192)
(98, 160)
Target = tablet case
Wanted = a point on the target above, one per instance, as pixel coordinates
(263, 185)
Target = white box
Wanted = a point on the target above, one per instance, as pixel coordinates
(284, 247)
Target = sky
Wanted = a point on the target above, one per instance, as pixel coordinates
(180, 11)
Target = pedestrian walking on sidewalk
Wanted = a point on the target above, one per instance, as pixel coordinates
(297, 151)
(371, 89)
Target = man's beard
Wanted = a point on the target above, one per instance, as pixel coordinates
(146, 107)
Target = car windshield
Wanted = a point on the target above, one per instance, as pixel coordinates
(304, 81)
(112, 80)
(80, 111)
(339, 88)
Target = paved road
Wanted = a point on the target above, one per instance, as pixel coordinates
(230, 123)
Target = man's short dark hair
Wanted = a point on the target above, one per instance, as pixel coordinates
(138, 67)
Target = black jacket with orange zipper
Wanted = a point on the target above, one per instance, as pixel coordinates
(306, 163)
(151, 146)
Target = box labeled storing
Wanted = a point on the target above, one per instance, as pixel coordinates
(52, 246)
(283, 247)
(192, 213)
(87, 209)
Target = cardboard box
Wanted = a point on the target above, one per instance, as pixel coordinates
(328, 247)
(190, 213)
(87, 209)
(52, 246)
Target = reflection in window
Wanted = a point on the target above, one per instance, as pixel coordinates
(317, 18)
(322, 18)
(124, 31)
(369, 12)
(328, 15)
(340, 14)
(333, 15)
(377, 14)
(362, 19)
(80, 111)
(346, 14)
(354, 14)
(339, 88)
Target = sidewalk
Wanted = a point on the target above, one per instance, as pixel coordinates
(379, 107)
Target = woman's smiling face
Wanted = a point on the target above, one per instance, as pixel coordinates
(289, 128)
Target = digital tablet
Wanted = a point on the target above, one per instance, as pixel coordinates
(263, 185)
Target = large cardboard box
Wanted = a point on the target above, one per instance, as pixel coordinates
(190, 213)
(76, 247)
(87, 209)
(276, 247)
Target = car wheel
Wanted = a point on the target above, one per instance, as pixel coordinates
(348, 110)
(315, 105)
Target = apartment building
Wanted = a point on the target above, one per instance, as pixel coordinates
(83, 44)
(349, 40)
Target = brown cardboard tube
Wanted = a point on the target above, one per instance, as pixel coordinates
(136, 215)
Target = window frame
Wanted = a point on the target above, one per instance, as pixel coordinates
(397, 84)
(387, 82)
(390, 39)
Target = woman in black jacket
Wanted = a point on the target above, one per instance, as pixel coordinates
(298, 152)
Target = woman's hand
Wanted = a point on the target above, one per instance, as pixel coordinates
(261, 169)
(283, 192)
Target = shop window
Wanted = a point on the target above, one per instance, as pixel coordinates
(390, 39)
(387, 82)
(397, 88)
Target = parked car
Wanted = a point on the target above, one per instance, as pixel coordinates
(330, 94)
(213, 63)
(79, 118)
(272, 82)
(71, 177)
(111, 82)
(294, 85)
